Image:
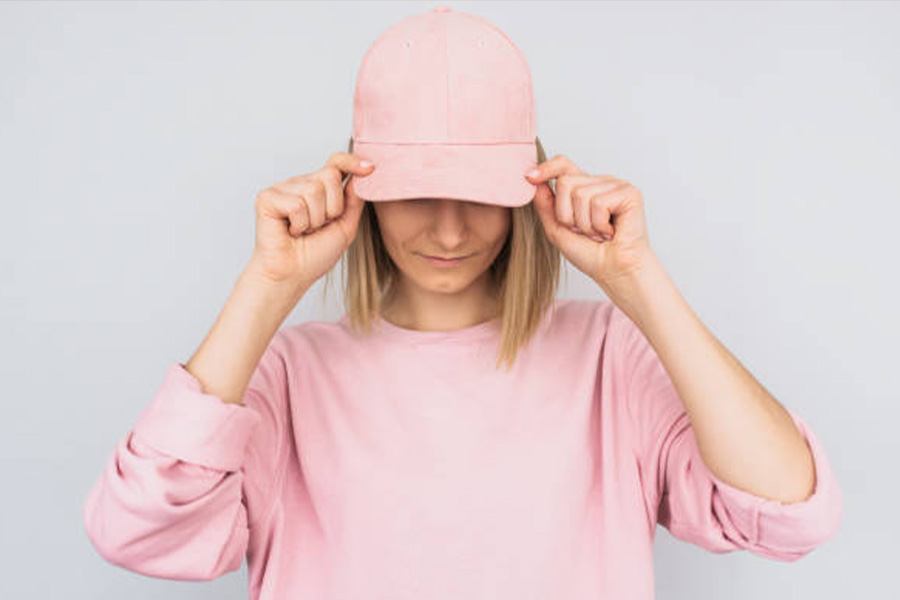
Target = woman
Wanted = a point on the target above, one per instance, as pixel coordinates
(459, 432)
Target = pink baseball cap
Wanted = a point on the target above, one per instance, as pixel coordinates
(444, 107)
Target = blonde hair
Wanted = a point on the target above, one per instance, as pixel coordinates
(525, 275)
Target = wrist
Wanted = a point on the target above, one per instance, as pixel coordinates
(261, 292)
(635, 291)
(256, 273)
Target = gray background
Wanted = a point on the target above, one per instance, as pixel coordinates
(134, 137)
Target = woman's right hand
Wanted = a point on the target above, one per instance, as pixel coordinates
(305, 223)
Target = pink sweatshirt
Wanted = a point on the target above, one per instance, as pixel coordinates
(403, 466)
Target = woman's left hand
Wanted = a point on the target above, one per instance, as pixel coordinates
(582, 210)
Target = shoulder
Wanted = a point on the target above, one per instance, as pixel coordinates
(570, 315)
(596, 325)
(319, 342)
(311, 336)
(580, 329)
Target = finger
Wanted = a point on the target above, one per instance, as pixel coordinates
(567, 175)
(353, 207)
(547, 203)
(298, 216)
(313, 193)
(571, 243)
(608, 204)
(315, 203)
(269, 218)
(554, 167)
(600, 215)
(560, 165)
(353, 164)
(543, 204)
(278, 206)
(334, 192)
(565, 204)
(339, 233)
(582, 197)
(592, 208)
(544, 201)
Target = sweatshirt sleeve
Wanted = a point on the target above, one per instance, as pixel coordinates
(172, 500)
(693, 503)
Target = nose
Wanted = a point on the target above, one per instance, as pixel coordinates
(450, 221)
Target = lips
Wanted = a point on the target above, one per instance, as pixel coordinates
(444, 263)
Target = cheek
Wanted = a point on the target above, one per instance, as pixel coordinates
(389, 222)
(495, 227)
(398, 225)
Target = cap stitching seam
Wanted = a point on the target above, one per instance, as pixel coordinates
(446, 83)
(441, 143)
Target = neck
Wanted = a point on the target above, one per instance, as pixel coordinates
(416, 308)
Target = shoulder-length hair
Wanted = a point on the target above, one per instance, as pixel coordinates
(525, 275)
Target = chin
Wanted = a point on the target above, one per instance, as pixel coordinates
(443, 282)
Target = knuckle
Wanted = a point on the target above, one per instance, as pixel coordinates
(333, 175)
(334, 209)
(263, 196)
(293, 204)
(313, 191)
(318, 189)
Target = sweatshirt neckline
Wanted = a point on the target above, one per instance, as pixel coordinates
(384, 329)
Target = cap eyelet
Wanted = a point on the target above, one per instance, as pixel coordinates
(481, 42)
(407, 43)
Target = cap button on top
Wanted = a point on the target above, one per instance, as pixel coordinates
(442, 9)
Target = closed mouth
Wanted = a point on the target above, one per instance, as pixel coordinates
(448, 258)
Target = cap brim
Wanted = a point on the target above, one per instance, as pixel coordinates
(486, 173)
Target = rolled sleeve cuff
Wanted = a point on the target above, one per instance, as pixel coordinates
(787, 529)
(186, 423)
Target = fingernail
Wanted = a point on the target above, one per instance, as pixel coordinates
(533, 173)
(365, 163)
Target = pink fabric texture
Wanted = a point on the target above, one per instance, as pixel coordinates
(444, 107)
(404, 466)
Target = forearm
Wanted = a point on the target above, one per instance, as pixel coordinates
(744, 435)
(227, 357)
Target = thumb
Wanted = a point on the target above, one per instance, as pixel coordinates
(544, 200)
(348, 222)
